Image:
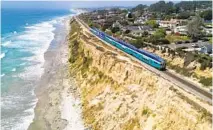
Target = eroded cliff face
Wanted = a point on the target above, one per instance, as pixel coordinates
(119, 94)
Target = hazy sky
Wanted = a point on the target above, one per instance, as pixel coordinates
(71, 4)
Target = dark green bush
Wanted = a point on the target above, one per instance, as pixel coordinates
(115, 29)
(206, 81)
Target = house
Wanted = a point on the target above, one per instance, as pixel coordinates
(172, 23)
(140, 20)
(93, 17)
(100, 16)
(147, 28)
(168, 24)
(206, 49)
(99, 21)
(181, 30)
(116, 24)
(139, 30)
(208, 30)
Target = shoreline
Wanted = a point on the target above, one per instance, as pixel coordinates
(52, 95)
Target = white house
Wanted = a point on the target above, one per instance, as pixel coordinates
(140, 20)
(208, 31)
(172, 23)
(168, 24)
(181, 30)
(117, 24)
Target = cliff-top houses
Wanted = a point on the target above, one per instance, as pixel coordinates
(171, 24)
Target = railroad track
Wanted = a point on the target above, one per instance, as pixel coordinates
(182, 83)
(191, 85)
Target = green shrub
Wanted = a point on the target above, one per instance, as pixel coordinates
(115, 29)
(163, 41)
(163, 51)
(152, 23)
(146, 111)
(204, 60)
(180, 70)
(138, 43)
(206, 81)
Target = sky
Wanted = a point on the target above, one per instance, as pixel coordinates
(71, 4)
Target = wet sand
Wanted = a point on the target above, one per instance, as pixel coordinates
(57, 108)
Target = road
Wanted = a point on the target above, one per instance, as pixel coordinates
(170, 76)
(188, 45)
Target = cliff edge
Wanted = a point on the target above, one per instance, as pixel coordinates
(119, 94)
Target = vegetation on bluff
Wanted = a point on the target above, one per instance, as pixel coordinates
(115, 94)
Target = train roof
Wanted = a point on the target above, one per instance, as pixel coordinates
(151, 55)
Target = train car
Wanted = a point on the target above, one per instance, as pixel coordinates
(142, 55)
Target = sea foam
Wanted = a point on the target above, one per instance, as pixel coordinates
(2, 55)
(6, 43)
(35, 39)
(14, 69)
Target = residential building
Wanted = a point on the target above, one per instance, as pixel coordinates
(140, 20)
(208, 30)
(168, 24)
(116, 24)
(181, 30)
(206, 49)
(139, 30)
(172, 23)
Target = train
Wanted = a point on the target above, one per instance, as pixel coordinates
(142, 55)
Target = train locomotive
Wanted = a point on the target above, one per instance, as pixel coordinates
(144, 56)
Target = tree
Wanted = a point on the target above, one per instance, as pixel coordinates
(138, 43)
(152, 23)
(163, 41)
(207, 15)
(185, 15)
(115, 29)
(158, 37)
(127, 31)
(185, 5)
(194, 27)
(163, 7)
(192, 5)
(145, 34)
(139, 7)
(125, 11)
(160, 33)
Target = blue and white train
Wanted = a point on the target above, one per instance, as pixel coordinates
(144, 56)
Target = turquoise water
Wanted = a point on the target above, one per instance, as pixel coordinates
(26, 35)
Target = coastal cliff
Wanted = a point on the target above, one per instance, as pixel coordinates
(188, 67)
(119, 94)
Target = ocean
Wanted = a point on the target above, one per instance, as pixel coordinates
(25, 36)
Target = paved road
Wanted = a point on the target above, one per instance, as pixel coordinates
(182, 83)
(188, 45)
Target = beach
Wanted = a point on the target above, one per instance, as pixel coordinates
(24, 42)
(57, 107)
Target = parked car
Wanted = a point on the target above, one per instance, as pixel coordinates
(195, 45)
(178, 42)
(204, 39)
(187, 41)
(194, 40)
